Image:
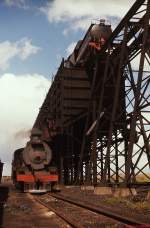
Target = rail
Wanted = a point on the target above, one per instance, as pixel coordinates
(101, 210)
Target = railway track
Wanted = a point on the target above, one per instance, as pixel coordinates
(68, 220)
(82, 214)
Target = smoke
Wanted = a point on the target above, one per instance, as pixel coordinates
(21, 96)
(22, 134)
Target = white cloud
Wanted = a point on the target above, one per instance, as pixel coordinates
(70, 48)
(78, 12)
(18, 3)
(20, 105)
(21, 49)
(27, 48)
(7, 52)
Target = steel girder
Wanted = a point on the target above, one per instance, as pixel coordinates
(119, 123)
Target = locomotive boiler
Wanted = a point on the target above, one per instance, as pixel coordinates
(33, 167)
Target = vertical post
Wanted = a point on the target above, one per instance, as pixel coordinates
(113, 115)
(86, 125)
(116, 157)
(94, 149)
(62, 126)
(100, 106)
(102, 161)
(137, 94)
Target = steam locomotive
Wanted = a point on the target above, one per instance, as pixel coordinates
(33, 168)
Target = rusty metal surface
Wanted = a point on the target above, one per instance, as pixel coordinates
(107, 90)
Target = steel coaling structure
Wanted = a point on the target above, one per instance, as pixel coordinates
(97, 110)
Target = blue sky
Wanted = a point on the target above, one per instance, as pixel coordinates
(34, 36)
(52, 26)
(19, 22)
